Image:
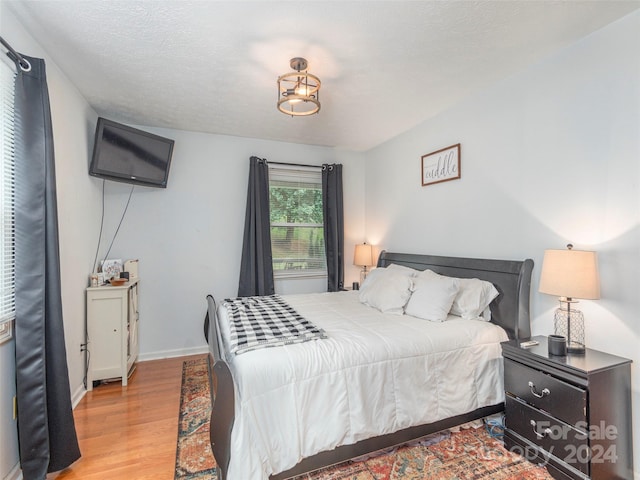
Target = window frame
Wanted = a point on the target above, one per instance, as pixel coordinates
(296, 174)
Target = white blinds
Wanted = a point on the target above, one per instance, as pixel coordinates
(7, 196)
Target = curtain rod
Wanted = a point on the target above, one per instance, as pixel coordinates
(294, 164)
(15, 56)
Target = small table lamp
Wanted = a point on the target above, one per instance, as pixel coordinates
(570, 274)
(363, 257)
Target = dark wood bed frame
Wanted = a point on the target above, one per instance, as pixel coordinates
(510, 310)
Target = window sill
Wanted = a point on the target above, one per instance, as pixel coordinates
(292, 275)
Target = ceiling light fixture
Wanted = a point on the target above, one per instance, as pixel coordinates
(299, 91)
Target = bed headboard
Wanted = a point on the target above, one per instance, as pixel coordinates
(512, 279)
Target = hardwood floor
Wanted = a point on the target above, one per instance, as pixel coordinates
(130, 432)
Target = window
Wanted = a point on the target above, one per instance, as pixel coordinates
(7, 195)
(297, 232)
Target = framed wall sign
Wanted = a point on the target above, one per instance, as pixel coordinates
(441, 165)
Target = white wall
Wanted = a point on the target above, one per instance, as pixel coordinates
(549, 156)
(188, 237)
(78, 202)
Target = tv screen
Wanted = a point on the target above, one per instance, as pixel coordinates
(126, 154)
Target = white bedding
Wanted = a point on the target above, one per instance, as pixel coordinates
(375, 374)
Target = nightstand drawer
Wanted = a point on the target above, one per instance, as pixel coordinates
(550, 434)
(561, 399)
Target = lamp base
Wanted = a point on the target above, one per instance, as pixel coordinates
(569, 323)
(363, 275)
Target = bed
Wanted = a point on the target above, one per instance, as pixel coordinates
(309, 383)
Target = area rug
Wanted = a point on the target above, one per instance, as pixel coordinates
(194, 458)
(469, 454)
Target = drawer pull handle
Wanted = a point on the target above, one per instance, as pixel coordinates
(544, 393)
(546, 432)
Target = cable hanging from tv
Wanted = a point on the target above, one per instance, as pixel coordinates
(124, 212)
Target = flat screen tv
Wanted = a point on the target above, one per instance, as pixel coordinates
(126, 154)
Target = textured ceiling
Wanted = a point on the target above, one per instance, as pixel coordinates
(385, 66)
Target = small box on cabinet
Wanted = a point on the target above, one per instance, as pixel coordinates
(131, 266)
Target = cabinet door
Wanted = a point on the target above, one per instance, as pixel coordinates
(105, 336)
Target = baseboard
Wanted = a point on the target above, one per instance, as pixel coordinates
(180, 352)
(15, 473)
(78, 395)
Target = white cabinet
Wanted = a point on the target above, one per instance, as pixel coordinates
(112, 331)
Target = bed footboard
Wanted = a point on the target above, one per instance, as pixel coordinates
(222, 393)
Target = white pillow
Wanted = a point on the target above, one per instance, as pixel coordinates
(474, 297)
(432, 296)
(388, 290)
(412, 272)
(371, 277)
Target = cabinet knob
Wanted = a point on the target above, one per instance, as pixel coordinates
(544, 392)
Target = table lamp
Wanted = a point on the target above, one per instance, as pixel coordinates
(570, 274)
(363, 257)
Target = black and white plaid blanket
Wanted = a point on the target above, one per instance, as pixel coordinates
(268, 321)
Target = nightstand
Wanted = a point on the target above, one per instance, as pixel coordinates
(572, 413)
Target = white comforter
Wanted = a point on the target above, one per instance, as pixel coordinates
(375, 374)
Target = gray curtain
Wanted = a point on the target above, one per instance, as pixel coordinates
(333, 225)
(46, 430)
(256, 267)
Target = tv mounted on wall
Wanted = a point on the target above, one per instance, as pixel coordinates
(126, 154)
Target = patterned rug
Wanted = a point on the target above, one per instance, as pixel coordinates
(470, 454)
(194, 458)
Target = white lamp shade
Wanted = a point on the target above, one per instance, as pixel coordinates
(363, 255)
(571, 274)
